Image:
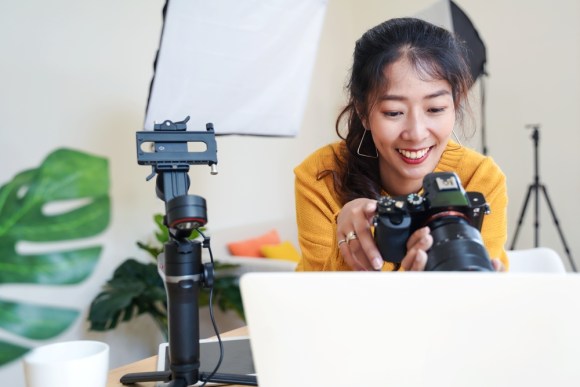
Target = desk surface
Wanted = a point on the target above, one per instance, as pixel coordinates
(150, 364)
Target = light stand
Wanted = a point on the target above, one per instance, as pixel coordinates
(180, 265)
(537, 187)
(482, 79)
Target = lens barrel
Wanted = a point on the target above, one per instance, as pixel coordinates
(457, 246)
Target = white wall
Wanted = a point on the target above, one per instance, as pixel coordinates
(77, 74)
(534, 57)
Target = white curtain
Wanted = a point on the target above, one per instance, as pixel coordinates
(244, 65)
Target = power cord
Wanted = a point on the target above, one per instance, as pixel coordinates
(206, 244)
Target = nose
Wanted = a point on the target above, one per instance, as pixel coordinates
(416, 128)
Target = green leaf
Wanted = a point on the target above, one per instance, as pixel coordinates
(153, 251)
(64, 199)
(76, 185)
(35, 322)
(162, 233)
(65, 175)
(56, 268)
(10, 352)
(135, 288)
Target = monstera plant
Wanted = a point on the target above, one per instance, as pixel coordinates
(64, 199)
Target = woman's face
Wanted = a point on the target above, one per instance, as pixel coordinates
(410, 124)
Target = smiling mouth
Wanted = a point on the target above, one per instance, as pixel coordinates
(414, 154)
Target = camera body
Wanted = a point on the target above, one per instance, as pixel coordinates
(454, 216)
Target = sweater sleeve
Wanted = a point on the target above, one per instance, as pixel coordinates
(488, 179)
(316, 211)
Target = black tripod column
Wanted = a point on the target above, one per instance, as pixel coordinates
(538, 188)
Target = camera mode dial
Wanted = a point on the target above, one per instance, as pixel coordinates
(385, 205)
(415, 199)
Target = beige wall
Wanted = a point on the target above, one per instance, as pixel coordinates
(77, 74)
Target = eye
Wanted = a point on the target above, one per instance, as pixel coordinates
(392, 114)
(437, 110)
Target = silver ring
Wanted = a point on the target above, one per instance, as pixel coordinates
(340, 242)
(350, 236)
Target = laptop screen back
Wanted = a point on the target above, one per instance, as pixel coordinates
(413, 329)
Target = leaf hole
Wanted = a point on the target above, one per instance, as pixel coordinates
(22, 191)
(59, 207)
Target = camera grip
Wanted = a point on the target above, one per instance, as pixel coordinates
(391, 234)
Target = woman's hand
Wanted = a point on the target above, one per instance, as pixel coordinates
(497, 265)
(417, 245)
(358, 248)
(355, 239)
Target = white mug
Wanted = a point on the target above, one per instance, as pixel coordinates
(67, 364)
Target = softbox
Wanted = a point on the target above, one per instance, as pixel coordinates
(245, 66)
(447, 14)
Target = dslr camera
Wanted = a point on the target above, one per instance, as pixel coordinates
(453, 215)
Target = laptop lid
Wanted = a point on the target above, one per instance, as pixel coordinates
(413, 329)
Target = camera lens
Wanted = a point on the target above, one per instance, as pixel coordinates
(457, 246)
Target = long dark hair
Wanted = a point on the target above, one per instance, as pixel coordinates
(434, 52)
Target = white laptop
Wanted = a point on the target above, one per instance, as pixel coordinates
(413, 329)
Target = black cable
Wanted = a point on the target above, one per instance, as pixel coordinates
(211, 314)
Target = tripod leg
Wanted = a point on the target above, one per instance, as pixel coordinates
(522, 214)
(557, 223)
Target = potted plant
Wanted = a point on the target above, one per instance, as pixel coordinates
(136, 288)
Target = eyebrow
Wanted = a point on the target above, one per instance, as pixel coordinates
(388, 97)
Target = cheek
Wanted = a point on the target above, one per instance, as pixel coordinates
(384, 129)
(384, 134)
(445, 127)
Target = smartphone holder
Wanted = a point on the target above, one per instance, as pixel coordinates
(167, 150)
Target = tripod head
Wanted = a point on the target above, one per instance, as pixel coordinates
(535, 131)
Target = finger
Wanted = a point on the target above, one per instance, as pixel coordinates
(349, 258)
(415, 260)
(359, 255)
(356, 217)
(420, 261)
(364, 246)
(497, 265)
(408, 259)
(370, 210)
(369, 248)
(421, 238)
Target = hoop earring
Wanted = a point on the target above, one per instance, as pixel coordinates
(376, 155)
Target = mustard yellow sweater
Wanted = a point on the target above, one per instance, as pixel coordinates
(317, 204)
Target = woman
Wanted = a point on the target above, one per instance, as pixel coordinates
(408, 88)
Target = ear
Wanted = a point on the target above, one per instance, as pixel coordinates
(362, 118)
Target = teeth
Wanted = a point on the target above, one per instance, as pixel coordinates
(413, 154)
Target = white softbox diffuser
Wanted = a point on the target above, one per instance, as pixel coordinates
(245, 66)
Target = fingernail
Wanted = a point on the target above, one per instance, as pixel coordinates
(377, 263)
